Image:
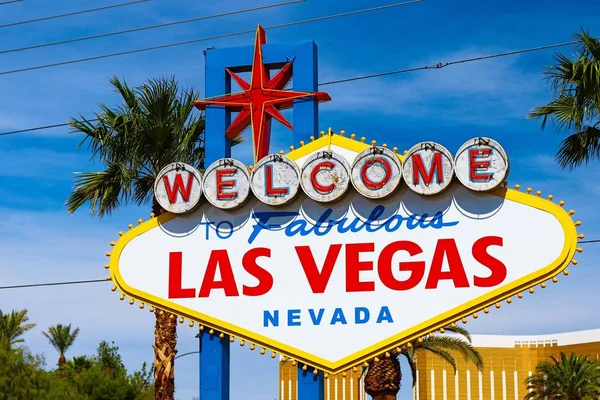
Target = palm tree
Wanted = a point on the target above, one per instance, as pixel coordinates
(572, 377)
(382, 381)
(576, 105)
(151, 128)
(61, 338)
(12, 327)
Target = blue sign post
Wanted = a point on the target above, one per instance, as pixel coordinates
(214, 351)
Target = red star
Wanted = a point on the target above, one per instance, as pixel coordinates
(260, 100)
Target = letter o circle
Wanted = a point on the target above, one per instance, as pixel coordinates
(376, 172)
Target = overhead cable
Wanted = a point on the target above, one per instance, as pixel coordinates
(9, 2)
(376, 75)
(149, 27)
(69, 14)
(52, 284)
(186, 42)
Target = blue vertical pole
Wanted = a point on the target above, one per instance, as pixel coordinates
(217, 120)
(214, 352)
(306, 116)
(214, 367)
(310, 386)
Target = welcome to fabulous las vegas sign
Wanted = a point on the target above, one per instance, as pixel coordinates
(339, 251)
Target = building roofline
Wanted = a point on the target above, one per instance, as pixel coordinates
(553, 339)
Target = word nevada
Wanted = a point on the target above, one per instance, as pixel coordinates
(428, 168)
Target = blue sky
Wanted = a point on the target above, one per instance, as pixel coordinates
(41, 242)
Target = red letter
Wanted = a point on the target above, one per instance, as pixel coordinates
(376, 185)
(221, 184)
(175, 272)
(219, 258)
(318, 280)
(269, 189)
(354, 266)
(496, 266)
(178, 187)
(313, 177)
(265, 279)
(474, 164)
(457, 270)
(419, 168)
(416, 268)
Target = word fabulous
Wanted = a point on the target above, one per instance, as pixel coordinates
(480, 164)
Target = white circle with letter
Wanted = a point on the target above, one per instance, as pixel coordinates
(481, 164)
(178, 188)
(428, 168)
(325, 176)
(226, 183)
(376, 172)
(275, 180)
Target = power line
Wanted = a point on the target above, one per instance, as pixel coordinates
(186, 42)
(449, 63)
(52, 284)
(105, 280)
(37, 128)
(9, 2)
(356, 78)
(29, 21)
(149, 27)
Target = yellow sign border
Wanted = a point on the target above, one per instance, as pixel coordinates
(399, 339)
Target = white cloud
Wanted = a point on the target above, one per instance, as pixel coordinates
(461, 93)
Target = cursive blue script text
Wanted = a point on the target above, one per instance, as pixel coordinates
(324, 225)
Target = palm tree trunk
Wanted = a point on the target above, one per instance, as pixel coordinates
(382, 381)
(62, 360)
(385, 396)
(165, 343)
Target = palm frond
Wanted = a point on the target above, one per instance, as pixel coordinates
(103, 190)
(562, 111)
(579, 148)
(12, 327)
(411, 364)
(456, 344)
(459, 331)
(61, 337)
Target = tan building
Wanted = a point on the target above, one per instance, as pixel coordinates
(508, 362)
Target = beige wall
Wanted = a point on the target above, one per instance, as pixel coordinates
(508, 361)
(503, 377)
(337, 387)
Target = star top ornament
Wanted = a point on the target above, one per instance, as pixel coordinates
(260, 100)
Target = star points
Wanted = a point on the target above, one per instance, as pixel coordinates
(260, 100)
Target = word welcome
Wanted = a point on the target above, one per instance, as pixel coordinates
(325, 176)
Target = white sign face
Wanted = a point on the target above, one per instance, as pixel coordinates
(345, 275)
(328, 284)
(376, 173)
(428, 168)
(325, 176)
(178, 188)
(226, 183)
(275, 180)
(481, 164)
